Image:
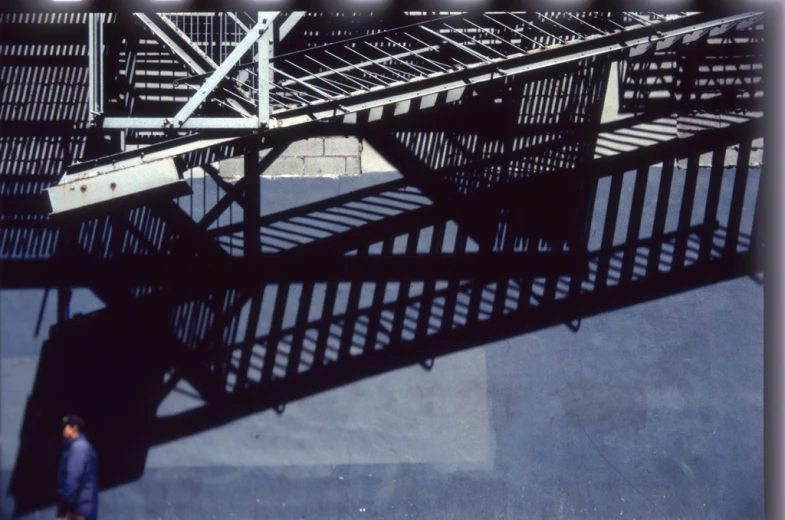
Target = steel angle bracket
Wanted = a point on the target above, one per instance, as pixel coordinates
(85, 195)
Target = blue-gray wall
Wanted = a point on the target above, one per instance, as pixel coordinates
(652, 411)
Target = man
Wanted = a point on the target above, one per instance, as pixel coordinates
(77, 478)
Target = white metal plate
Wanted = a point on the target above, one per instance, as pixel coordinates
(77, 194)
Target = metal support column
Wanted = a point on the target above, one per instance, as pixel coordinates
(252, 203)
(264, 76)
(63, 304)
(96, 65)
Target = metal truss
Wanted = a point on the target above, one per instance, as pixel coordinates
(421, 59)
(424, 64)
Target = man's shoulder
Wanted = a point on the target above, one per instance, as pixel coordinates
(82, 444)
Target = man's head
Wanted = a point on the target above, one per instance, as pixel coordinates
(72, 426)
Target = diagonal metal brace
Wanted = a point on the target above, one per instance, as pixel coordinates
(288, 24)
(170, 43)
(196, 60)
(221, 72)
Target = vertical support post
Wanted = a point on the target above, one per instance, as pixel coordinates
(96, 65)
(737, 199)
(587, 189)
(66, 251)
(264, 74)
(685, 215)
(274, 338)
(712, 203)
(350, 317)
(609, 230)
(660, 215)
(99, 90)
(298, 340)
(757, 236)
(634, 223)
(328, 313)
(248, 343)
(251, 252)
(63, 304)
(374, 323)
(604, 70)
(426, 307)
(252, 206)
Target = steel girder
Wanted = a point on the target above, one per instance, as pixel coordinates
(342, 80)
(421, 72)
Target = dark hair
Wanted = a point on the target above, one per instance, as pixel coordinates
(73, 420)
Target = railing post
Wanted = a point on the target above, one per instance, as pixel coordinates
(96, 65)
(265, 52)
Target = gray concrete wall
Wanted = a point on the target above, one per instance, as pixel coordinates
(653, 411)
(318, 157)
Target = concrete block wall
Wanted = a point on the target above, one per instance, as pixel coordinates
(317, 157)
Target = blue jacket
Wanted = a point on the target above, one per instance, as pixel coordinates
(77, 478)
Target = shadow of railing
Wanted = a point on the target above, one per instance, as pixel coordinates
(257, 333)
(502, 224)
(709, 73)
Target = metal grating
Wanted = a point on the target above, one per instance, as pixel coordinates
(393, 65)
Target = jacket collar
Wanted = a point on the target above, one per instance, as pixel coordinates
(68, 442)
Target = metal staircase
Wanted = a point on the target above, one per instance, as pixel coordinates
(518, 207)
(398, 65)
(237, 84)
